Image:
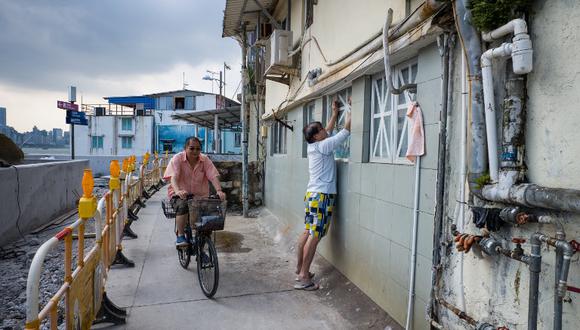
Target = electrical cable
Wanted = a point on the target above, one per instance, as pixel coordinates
(233, 95)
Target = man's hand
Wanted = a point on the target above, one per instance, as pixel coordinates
(347, 116)
(332, 121)
(182, 194)
(335, 107)
(222, 195)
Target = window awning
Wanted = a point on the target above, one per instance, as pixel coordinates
(238, 11)
(132, 101)
(228, 118)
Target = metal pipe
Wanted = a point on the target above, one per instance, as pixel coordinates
(462, 174)
(288, 16)
(535, 266)
(387, 62)
(461, 314)
(564, 252)
(470, 42)
(532, 195)
(411, 297)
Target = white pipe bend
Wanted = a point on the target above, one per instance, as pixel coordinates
(516, 26)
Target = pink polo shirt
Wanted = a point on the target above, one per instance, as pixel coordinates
(193, 180)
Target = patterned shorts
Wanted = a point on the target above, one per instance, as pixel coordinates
(318, 209)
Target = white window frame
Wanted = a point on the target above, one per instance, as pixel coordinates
(99, 142)
(237, 139)
(279, 137)
(389, 140)
(125, 120)
(342, 96)
(123, 144)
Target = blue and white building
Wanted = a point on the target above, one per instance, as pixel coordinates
(161, 122)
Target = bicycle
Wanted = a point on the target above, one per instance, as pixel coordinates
(209, 215)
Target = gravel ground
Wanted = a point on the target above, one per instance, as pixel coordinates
(15, 262)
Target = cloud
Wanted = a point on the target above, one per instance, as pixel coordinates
(109, 47)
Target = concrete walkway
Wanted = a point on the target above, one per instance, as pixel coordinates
(255, 288)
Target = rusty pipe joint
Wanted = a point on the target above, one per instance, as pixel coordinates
(515, 215)
(490, 246)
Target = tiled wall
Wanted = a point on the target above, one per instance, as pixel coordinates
(370, 237)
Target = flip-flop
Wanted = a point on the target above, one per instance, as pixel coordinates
(306, 286)
(311, 275)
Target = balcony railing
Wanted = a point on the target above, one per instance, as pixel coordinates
(113, 110)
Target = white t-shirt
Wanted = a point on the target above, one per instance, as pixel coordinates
(321, 163)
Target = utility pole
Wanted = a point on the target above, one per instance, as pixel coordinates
(221, 86)
(72, 97)
(245, 117)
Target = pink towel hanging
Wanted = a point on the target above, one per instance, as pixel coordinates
(416, 136)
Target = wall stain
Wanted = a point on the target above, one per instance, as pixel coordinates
(517, 286)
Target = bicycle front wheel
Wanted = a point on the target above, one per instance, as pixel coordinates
(184, 257)
(207, 266)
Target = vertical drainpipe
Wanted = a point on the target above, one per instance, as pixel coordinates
(245, 117)
(289, 16)
(535, 266)
(471, 44)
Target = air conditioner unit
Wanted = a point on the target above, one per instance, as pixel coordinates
(278, 49)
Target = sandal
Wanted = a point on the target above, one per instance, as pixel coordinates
(311, 275)
(306, 286)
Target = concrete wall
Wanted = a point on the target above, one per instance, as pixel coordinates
(370, 237)
(34, 194)
(496, 289)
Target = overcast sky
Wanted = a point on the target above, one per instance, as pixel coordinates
(106, 48)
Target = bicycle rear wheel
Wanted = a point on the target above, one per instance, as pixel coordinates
(207, 266)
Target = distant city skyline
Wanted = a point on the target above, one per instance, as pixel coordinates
(104, 49)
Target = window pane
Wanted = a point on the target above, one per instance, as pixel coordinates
(376, 95)
(402, 132)
(376, 138)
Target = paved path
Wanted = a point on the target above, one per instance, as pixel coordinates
(255, 289)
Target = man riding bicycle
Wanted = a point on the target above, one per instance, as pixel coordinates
(189, 172)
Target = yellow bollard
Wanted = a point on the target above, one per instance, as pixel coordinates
(88, 203)
(125, 165)
(114, 182)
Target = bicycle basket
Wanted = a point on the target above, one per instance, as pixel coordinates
(209, 214)
(168, 209)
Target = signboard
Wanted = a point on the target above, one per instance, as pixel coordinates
(76, 118)
(67, 106)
